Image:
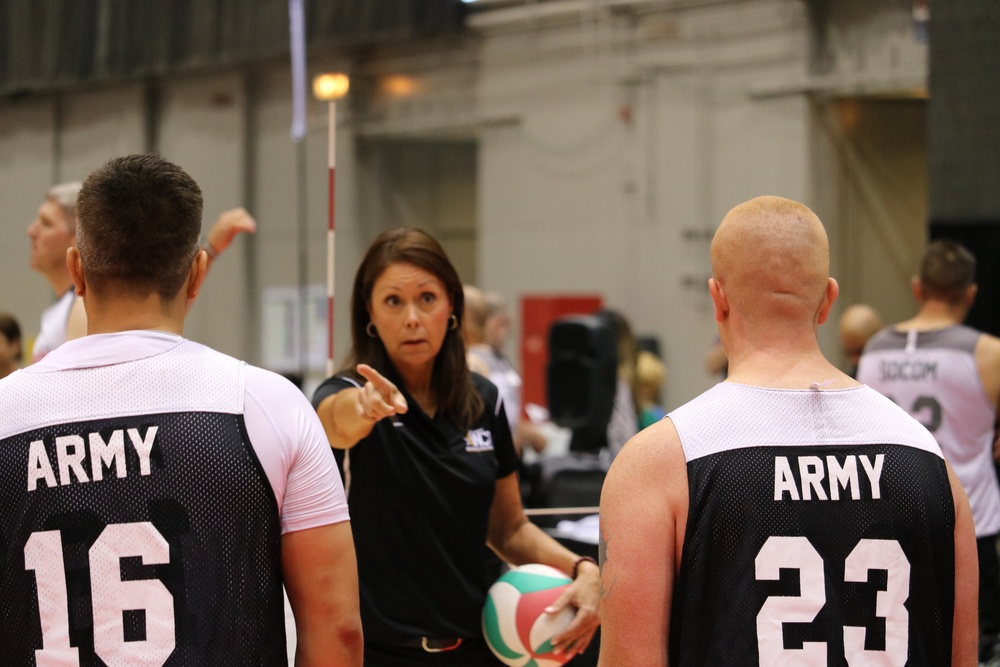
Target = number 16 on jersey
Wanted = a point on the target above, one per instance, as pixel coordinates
(111, 597)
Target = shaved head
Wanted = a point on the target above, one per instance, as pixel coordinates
(771, 256)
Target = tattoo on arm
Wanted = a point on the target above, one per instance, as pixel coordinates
(602, 558)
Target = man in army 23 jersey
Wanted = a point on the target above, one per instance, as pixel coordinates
(155, 494)
(788, 515)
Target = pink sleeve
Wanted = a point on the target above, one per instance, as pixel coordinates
(289, 441)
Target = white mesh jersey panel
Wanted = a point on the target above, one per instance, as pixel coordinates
(731, 416)
(38, 396)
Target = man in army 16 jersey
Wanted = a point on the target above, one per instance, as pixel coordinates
(155, 494)
(788, 515)
(948, 377)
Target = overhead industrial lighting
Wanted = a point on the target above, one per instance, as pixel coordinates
(331, 86)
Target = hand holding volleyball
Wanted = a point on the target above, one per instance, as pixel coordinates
(517, 622)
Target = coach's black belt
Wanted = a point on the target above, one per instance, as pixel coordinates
(433, 645)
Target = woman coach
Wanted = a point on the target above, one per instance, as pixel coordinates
(430, 467)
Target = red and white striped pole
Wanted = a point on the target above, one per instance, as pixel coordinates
(330, 87)
(332, 163)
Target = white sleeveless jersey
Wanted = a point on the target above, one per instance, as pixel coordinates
(53, 330)
(933, 376)
(507, 380)
(820, 532)
(145, 483)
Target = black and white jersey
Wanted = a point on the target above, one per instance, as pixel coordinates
(145, 483)
(820, 532)
(933, 376)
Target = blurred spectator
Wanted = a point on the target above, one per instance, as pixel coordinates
(716, 362)
(52, 233)
(625, 415)
(487, 325)
(858, 323)
(11, 351)
(474, 335)
(650, 374)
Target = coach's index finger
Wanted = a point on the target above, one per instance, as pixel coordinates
(388, 390)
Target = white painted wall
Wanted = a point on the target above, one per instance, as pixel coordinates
(201, 129)
(579, 198)
(98, 125)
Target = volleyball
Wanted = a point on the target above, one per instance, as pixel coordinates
(515, 624)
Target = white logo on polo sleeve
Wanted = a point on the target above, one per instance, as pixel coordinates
(479, 440)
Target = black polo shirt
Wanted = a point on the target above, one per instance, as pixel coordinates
(420, 491)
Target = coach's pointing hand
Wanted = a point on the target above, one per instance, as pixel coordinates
(379, 398)
(351, 414)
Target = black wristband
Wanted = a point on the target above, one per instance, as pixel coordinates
(582, 559)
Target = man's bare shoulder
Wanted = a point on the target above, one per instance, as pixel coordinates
(654, 455)
(988, 363)
(654, 440)
(988, 345)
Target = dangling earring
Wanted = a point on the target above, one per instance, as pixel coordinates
(370, 330)
(453, 322)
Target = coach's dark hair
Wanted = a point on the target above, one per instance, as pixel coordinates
(451, 380)
(138, 222)
(947, 270)
(11, 330)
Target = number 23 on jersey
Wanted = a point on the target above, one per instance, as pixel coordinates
(797, 553)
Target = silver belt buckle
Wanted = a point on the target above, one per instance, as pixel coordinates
(424, 645)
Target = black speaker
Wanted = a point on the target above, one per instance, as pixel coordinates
(581, 377)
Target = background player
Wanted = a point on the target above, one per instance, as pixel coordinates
(155, 494)
(948, 377)
(53, 232)
(745, 528)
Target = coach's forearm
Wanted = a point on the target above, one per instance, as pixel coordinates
(342, 419)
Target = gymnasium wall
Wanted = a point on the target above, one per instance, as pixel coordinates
(570, 150)
(965, 170)
(608, 169)
(964, 70)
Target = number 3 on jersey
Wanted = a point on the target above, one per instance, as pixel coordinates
(111, 597)
(797, 553)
